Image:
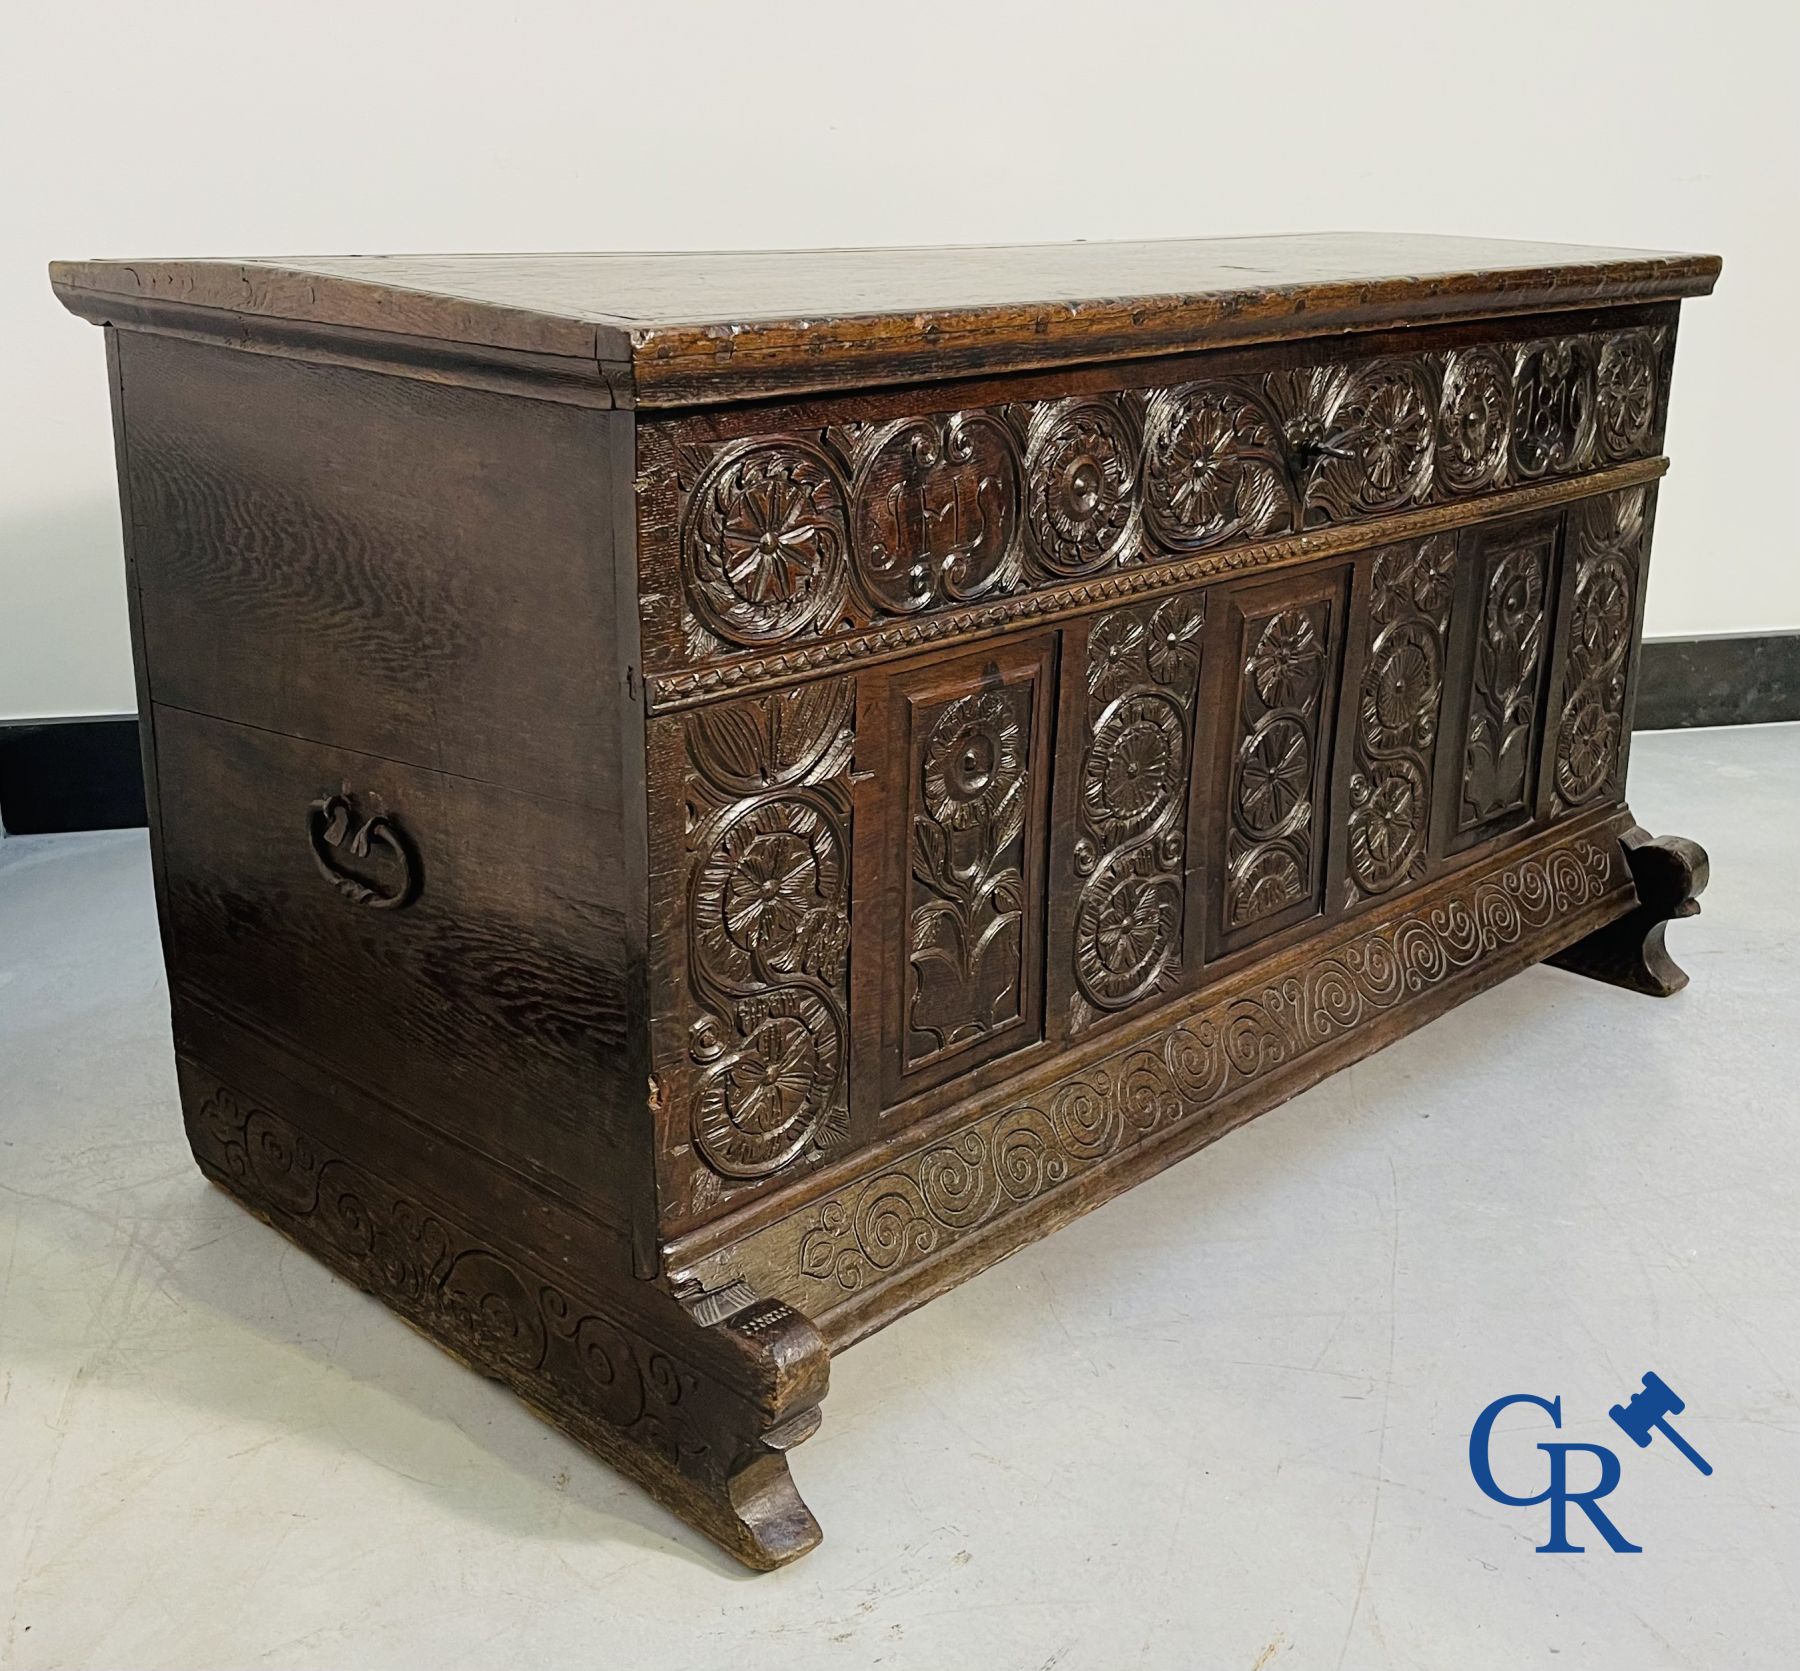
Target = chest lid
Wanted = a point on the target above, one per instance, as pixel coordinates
(700, 328)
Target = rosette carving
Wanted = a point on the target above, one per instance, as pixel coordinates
(1474, 419)
(1131, 837)
(1625, 397)
(1214, 469)
(1081, 470)
(763, 542)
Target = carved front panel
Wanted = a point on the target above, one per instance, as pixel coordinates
(965, 863)
(1138, 697)
(1287, 646)
(821, 526)
(1397, 715)
(1511, 571)
(1606, 546)
(767, 928)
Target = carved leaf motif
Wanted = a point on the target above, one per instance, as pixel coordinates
(1607, 537)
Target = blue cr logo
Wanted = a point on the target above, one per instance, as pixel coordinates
(1558, 1493)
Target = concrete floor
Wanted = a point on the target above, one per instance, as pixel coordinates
(1221, 1422)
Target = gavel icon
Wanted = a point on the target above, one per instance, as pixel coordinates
(1645, 1413)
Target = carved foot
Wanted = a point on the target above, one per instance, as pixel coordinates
(697, 1400)
(1669, 871)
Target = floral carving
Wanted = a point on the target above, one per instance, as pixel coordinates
(1082, 469)
(958, 1185)
(1214, 468)
(1607, 536)
(995, 511)
(1398, 712)
(1143, 674)
(763, 543)
(936, 511)
(1626, 393)
(1503, 696)
(966, 922)
(768, 926)
(1271, 845)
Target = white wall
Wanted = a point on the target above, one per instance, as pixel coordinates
(188, 127)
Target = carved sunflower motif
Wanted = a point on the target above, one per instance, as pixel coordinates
(1274, 777)
(1288, 660)
(771, 1095)
(1081, 474)
(767, 895)
(1626, 394)
(1387, 825)
(974, 761)
(1125, 936)
(763, 543)
(1172, 642)
(1116, 662)
(1400, 693)
(1394, 436)
(1588, 747)
(1602, 614)
(1134, 763)
(1212, 467)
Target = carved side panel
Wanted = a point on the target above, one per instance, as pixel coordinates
(1512, 580)
(1398, 714)
(1275, 807)
(966, 863)
(1130, 848)
(1606, 545)
(767, 922)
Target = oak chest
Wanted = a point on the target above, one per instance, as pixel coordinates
(699, 800)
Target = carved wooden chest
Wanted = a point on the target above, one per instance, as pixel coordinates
(699, 800)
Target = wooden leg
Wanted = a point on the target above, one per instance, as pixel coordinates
(1669, 871)
(698, 1402)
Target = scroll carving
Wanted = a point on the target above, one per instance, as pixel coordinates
(1509, 653)
(1607, 536)
(978, 1173)
(1270, 846)
(504, 1316)
(1131, 834)
(1398, 712)
(768, 925)
(965, 923)
(797, 536)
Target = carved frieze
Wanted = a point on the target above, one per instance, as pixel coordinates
(1130, 852)
(767, 915)
(1606, 540)
(1397, 713)
(794, 537)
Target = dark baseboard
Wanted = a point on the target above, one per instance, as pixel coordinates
(86, 774)
(1729, 679)
(70, 774)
